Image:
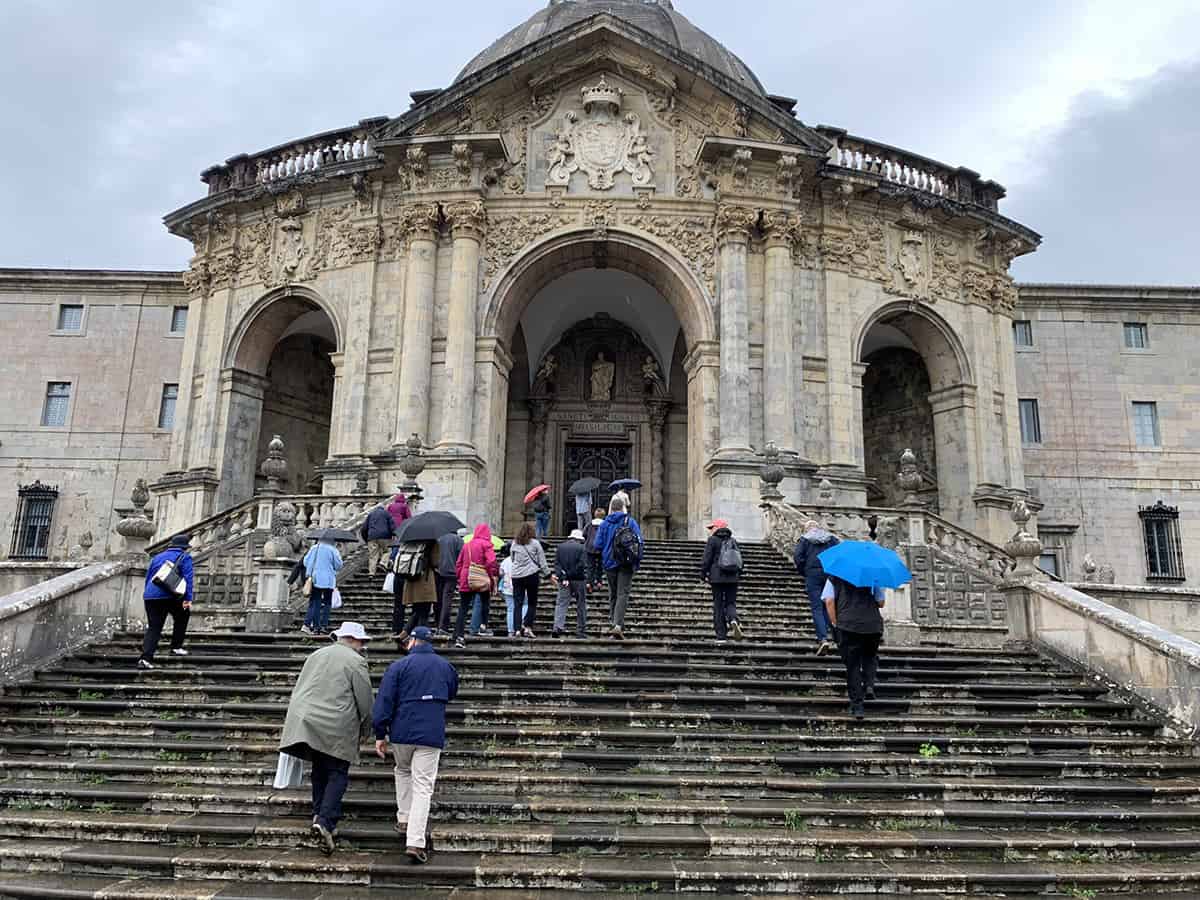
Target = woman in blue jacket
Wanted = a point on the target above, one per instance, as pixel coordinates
(322, 563)
(161, 603)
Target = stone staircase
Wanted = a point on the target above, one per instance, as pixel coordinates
(659, 764)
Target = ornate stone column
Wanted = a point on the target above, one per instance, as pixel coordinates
(467, 221)
(779, 400)
(656, 519)
(539, 412)
(416, 353)
(734, 224)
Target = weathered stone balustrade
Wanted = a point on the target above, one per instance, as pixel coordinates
(910, 170)
(307, 155)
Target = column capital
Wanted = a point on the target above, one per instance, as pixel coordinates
(658, 411)
(467, 219)
(734, 223)
(421, 221)
(782, 228)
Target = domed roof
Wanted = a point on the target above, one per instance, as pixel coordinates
(658, 17)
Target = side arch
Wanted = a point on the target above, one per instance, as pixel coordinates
(266, 321)
(932, 336)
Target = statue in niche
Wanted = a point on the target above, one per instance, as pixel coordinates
(602, 378)
(545, 374)
(652, 377)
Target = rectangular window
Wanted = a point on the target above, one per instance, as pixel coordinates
(58, 401)
(1136, 336)
(179, 320)
(1048, 562)
(166, 409)
(1164, 547)
(1031, 422)
(1023, 333)
(1145, 424)
(70, 317)
(31, 529)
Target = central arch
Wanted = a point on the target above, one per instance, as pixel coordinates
(659, 311)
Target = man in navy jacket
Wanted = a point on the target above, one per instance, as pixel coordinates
(410, 711)
(161, 603)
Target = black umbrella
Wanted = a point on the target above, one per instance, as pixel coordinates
(332, 534)
(584, 485)
(625, 484)
(428, 526)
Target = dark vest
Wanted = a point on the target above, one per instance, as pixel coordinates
(857, 609)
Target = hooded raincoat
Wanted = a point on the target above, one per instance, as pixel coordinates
(398, 510)
(479, 551)
(807, 559)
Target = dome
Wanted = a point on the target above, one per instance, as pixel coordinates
(658, 17)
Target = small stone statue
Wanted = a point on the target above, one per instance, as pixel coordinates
(603, 372)
(652, 378)
(545, 374)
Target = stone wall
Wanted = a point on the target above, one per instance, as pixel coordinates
(1088, 470)
(1176, 610)
(116, 363)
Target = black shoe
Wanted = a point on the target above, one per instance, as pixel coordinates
(556, 634)
(870, 693)
(324, 838)
(856, 710)
(416, 855)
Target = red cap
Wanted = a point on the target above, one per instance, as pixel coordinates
(717, 523)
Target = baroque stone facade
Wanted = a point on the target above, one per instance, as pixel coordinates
(414, 275)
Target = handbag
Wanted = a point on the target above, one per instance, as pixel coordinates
(168, 578)
(308, 586)
(389, 583)
(289, 772)
(336, 601)
(478, 578)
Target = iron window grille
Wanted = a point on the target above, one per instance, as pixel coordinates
(1164, 548)
(35, 514)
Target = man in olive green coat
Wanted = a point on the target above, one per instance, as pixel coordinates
(329, 707)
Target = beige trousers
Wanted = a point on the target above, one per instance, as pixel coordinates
(377, 551)
(416, 774)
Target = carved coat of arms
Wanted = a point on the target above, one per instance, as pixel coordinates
(602, 143)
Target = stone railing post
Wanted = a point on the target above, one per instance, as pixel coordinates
(771, 474)
(275, 466)
(271, 611)
(412, 464)
(909, 479)
(1025, 549)
(136, 529)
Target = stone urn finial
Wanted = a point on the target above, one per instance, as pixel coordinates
(771, 473)
(909, 478)
(275, 466)
(136, 528)
(412, 464)
(1023, 546)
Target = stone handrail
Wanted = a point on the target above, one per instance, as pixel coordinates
(1152, 663)
(909, 169)
(306, 155)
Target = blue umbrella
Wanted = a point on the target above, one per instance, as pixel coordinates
(625, 484)
(865, 564)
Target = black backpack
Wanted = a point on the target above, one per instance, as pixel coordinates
(626, 548)
(729, 559)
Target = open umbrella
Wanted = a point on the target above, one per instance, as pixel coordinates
(332, 534)
(865, 564)
(536, 492)
(584, 485)
(428, 526)
(625, 484)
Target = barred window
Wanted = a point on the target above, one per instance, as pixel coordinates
(1164, 547)
(1145, 424)
(31, 528)
(1023, 333)
(179, 320)
(1031, 422)
(1137, 336)
(70, 317)
(58, 402)
(166, 408)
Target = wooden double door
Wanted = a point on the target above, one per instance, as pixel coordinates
(607, 462)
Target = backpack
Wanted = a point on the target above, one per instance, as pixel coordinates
(729, 559)
(410, 561)
(626, 548)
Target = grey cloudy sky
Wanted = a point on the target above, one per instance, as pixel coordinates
(1086, 111)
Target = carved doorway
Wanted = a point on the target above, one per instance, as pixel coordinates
(608, 462)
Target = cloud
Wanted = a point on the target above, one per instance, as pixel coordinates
(1115, 196)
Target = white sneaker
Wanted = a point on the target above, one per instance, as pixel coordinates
(145, 664)
(735, 629)
(304, 629)
(178, 651)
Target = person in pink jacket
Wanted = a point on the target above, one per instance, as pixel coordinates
(399, 511)
(477, 551)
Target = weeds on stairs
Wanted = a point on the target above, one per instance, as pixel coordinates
(929, 751)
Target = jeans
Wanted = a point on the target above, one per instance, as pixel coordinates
(397, 604)
(156, 617)
(541, 524)
(465, 600)
(577, 591)
(525, 595)
(329, 778)
(509, 603)
(620, 580)
(416, 773)
(860, 652)
(319, 604)
(446, 585)
(820, 615)
(724, 608)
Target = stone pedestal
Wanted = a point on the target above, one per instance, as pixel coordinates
(735, 488)
(899, 629)
(271, 611)
(452, 482)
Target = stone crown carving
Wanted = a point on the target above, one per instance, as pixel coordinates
(601, 144)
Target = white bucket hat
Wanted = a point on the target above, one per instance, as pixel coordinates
(577, 535)
(351, 630)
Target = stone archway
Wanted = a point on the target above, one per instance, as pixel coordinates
(669, 433)
(278, 378)
(917, 393)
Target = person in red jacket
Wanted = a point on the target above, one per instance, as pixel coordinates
(476, 552)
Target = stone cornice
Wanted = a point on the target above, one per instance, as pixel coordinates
(1091, 295)
(99, 281)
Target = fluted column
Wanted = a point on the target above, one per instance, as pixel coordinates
(734, 224)
(779, 402)
(539, 411)
(467, 221)
(416, 350)
(658, 410)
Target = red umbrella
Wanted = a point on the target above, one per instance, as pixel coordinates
(536, 492)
